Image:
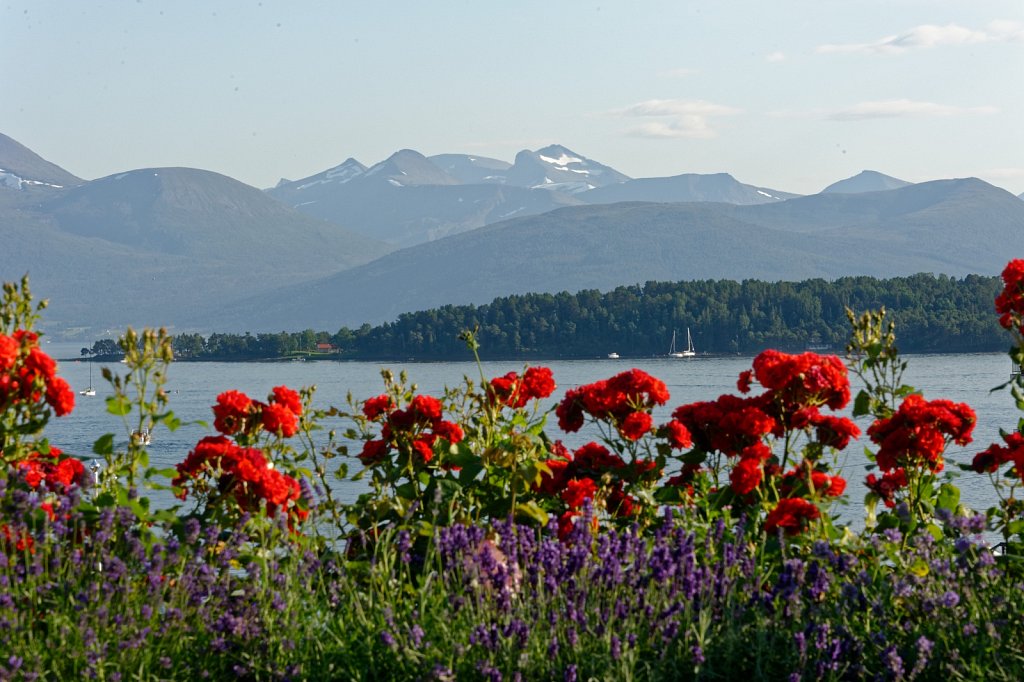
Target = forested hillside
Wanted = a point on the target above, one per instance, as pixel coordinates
(932, 313)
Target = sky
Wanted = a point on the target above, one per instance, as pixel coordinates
(788, 94)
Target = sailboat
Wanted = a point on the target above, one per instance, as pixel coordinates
(688, 353)
(90, 390)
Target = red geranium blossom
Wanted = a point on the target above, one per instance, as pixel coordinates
(886, 486)
(375, 407)
(55, 471)
(994, 456)
(282, 395)
(231, 412)
(635, 425)
(577, 491)
(1010, 301)
(612, 399)
(279, 419)
(792, 514)
(746, 475)
(515, 391)
(918, 433)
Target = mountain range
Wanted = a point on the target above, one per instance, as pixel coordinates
(200, 251)
(409, 199)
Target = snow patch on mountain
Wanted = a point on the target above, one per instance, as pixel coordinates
(563, 160)
(13, 181)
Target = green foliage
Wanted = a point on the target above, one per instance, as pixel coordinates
(935, 314)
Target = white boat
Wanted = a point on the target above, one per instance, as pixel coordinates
(142, 437)
(90, 390)
(613, 356)
(688, 353)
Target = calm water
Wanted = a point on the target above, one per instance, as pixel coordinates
(194, 387)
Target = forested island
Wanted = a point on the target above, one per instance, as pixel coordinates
(932, 314)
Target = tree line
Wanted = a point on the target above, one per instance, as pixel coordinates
(933, 313)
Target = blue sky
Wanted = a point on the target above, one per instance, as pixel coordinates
(789, 94)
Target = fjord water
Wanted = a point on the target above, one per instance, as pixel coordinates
(193, 388)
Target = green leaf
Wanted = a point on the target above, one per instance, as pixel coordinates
(862, 404)
(470, 471)
(531, 511)
(104, 445)
(949, 497)
(118, 405)
(342, 471)
(695, 456)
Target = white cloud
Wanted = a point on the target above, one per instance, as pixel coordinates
(776, 57)
(675, 118)
(677, 107)
(693, 127)
(899, 108)
(931, 35)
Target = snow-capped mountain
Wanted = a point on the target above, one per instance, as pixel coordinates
(557, 168)
(22, 168)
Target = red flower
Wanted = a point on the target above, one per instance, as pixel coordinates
(450, 431)
(374, 451)
(835, 432)
(279, 419)
(287, 397)
(727, 424)
(1010, 301)
(427, 407)
(60, 396)
(505, 390)
(8, 352)
(538, 382)
(887, 486)
(374, 407)
(577, 491)
(596, 459)
(918, 433)
(677, 434)
(619, 503)
(231, 411)
(743, 382)
(792, 514)
(635, 425)
(613, 399)
(566, 524)
(804, 380)
(746, 475)
(53, 470)
(423, 450)
(515, 392)
(553, 483)
(991, 458)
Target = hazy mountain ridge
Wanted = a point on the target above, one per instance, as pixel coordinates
(20, 166)
(199, 250)
(381, 201)
(718, 187)
(930, 227)
(865, 181)
(154, 246)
